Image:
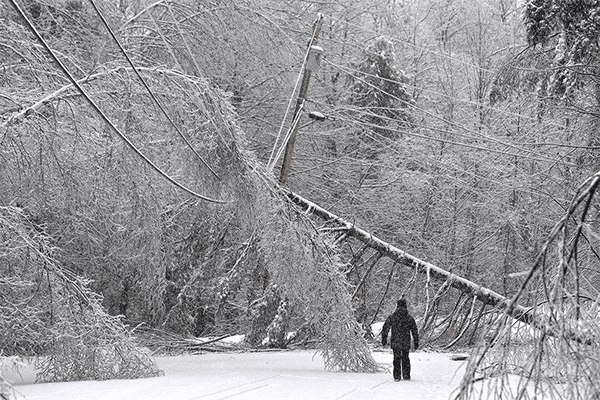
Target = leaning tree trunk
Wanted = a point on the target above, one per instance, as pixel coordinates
(485, 295)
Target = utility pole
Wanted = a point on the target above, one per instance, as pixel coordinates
(312, 63)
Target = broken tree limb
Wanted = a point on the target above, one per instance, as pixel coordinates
(483, 294)
(23, 112)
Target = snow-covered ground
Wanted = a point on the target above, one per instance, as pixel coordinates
(260, 375)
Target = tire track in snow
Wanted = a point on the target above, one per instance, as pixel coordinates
(346, 394)
(235, 388)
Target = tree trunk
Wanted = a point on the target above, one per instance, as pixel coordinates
(485, 295)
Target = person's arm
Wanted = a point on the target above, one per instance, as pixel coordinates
(415, 334)
(384, 332)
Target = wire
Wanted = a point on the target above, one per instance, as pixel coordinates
(295, 122)
(386, 143)
(362, 28)
(345, 69)
(355, 121)
(413, 106)
(145, 84)
(407, 43)
(271, 162)
(99, 111)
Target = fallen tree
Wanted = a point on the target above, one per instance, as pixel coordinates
(485, 295)
(472, 289)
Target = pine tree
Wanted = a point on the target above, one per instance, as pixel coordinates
(378, 89)
(570, 29)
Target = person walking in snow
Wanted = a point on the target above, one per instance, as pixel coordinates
(403, 326)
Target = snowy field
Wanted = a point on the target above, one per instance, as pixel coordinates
(261, 375)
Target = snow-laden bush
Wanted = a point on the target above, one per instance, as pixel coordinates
(7, 364)
(49, 312)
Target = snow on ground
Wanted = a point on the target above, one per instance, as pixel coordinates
(260, 375)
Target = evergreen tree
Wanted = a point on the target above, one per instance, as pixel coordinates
(378, 90)
(571, 30)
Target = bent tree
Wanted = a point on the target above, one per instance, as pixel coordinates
(551, 343)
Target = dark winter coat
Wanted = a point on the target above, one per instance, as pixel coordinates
(402, 326)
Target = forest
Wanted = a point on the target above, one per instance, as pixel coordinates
(176, 169)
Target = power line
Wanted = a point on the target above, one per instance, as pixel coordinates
(99, 111)
(150, 92)
(336, 114)
(345, 69)
(439, 164)
(413, 106)
(435, 53)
